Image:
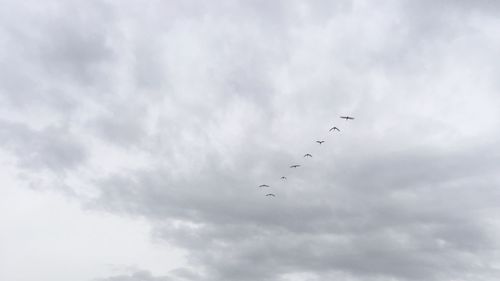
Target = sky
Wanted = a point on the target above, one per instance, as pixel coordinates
(134, 136)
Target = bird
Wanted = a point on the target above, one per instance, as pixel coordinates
(270, 194)
(283, 178)
(334, 128)
(320, 142)
(308, 155)
(263, 185)
(294, 166)
(347, 118)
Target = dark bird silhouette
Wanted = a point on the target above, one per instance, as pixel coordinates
(294, 166)
(308, 155)
(270, 194)
(347, 117)
(263, 185)
(283, 178)
(320, 142)
(334, 129)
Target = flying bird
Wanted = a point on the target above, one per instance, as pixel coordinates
(334, 129)
(270, 194)
(263, 185)
(347, 117)
(320, 142)
(283, 178)
(294, 166)
(308, 155)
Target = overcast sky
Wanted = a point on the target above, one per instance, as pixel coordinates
(134, 135)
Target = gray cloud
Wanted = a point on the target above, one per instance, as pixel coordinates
(394, 230)
(217, 99)
(136, 276)
(179, 274)
(51, 148)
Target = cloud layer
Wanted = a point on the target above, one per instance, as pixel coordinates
(176, 111)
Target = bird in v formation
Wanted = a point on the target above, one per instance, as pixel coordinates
(347, 118)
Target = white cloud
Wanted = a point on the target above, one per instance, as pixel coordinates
(46, 236)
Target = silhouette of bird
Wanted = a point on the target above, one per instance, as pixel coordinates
(334, 128)
(308, 155)
(270, 194)
(320, 142)
(283, 178)
(347, 118)
(294, 166)
(263, 185)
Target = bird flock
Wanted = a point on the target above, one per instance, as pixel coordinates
(307, 155)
